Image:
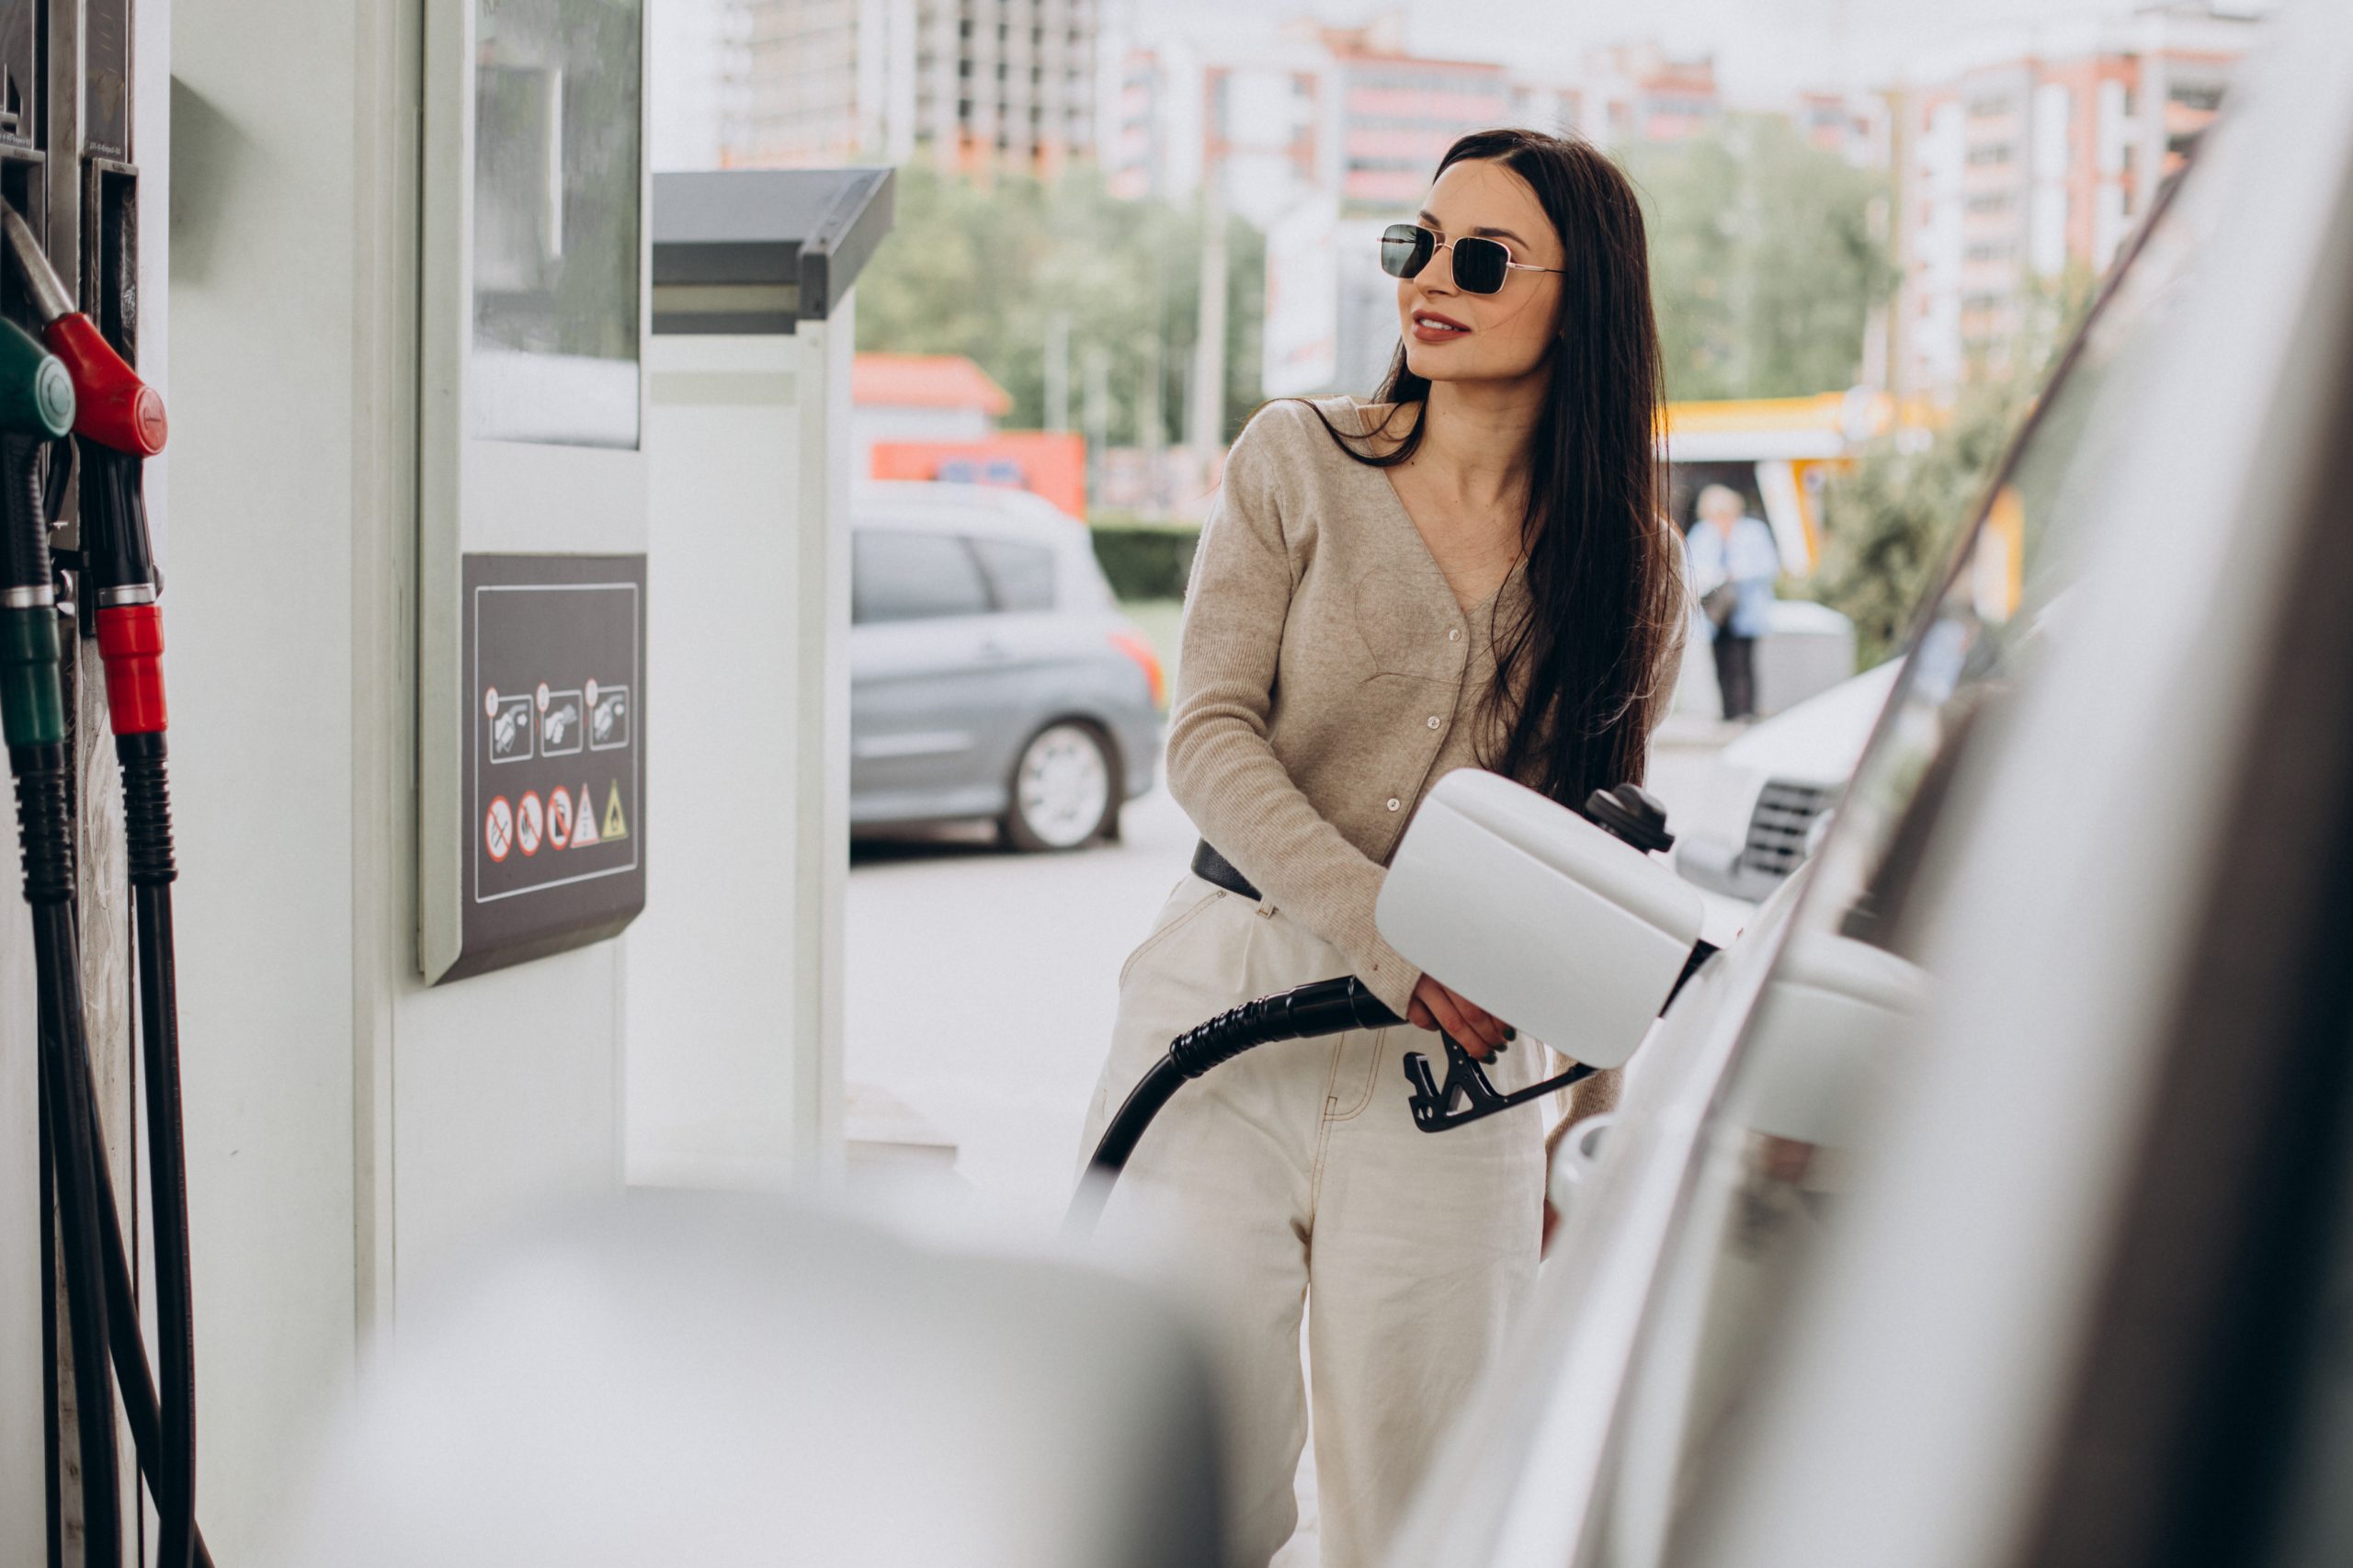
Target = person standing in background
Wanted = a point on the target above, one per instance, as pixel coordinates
(1732, 562)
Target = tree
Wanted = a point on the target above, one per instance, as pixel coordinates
(1765, 260)
(1889, 523)
(977, 269)
(1892, 522)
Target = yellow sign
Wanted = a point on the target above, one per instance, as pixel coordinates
(616, 825)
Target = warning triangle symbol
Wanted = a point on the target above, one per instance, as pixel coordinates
(616, 825)
(584, 821)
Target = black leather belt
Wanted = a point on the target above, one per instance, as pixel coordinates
(1213, 866)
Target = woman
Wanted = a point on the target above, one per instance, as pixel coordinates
(1472, 570)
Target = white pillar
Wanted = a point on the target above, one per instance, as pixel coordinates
(735, 969)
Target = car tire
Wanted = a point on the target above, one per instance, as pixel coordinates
(1064, 791)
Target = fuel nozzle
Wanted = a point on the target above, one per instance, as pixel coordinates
(36, 404)
(112, 406)
(36, 389)
(119, 420)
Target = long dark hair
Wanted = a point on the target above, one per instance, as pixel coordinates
(1579, 673)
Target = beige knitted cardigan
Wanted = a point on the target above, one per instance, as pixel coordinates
(1327, 677)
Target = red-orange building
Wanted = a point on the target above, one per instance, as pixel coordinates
(1051, 463)
(934, 416)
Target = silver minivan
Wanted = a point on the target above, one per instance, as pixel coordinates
(992, 674)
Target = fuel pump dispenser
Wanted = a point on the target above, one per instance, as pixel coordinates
(117, 422)
(489, 754)
(64, 146)
(532, 691)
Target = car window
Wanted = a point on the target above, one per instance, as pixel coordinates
(1770, 1165)
(899, 575)
(1021, 576)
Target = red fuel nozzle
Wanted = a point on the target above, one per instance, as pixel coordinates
(111, 406)
(131, 641)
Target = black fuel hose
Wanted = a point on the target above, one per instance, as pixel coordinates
(133, 1377)
(147, 832)
(1320, 1007)
(43, 785)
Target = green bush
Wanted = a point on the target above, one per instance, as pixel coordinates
(1145, 560)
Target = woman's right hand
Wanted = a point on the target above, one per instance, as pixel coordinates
(1476, 1030)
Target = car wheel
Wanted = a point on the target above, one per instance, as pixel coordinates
(1066, 788)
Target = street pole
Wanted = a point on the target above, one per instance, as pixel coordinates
(1095, 372)
(1153, 433)
(1058, 370)
(1205, 420)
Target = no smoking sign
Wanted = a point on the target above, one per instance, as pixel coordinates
(498, 828)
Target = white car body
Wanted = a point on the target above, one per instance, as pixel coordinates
(1754, 819)
(2027, 1238)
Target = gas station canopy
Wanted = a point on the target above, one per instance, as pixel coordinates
(757, 251)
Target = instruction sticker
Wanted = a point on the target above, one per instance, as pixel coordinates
(608, 721)
(510, 727)
(563, 720)
(555, 764)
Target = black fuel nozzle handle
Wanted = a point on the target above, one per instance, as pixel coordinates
(1468, 1095)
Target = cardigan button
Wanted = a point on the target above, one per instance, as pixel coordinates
(1433, 721)
(1392, 802)
(1454, 634)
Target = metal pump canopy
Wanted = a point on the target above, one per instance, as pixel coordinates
(757, 251)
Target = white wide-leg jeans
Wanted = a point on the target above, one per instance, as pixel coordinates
(1291, 1180)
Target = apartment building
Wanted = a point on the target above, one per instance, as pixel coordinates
(1639, 92)
(2030, 157)
(974, 84)
(1400, 112)
(1254, 110)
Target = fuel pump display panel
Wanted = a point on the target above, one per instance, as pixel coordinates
(556, 219)
(554, 757)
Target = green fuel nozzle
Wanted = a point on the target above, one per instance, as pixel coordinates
(36, 389)
(36, 404)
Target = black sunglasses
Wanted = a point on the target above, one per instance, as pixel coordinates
(1480, 267)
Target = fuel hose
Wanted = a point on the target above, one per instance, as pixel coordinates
(32, 717)
(117, 422)
(1319, 1007)
(121, 581)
